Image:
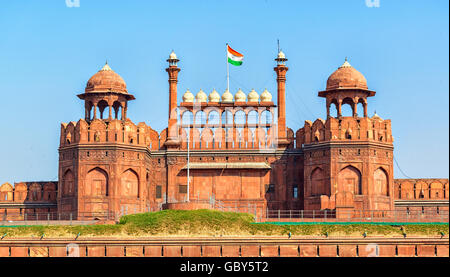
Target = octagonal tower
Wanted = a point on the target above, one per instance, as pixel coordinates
(103, 164)
(348, 158)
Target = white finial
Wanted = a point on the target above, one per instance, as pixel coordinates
(346, 63)
(106, 67)
(172, 55)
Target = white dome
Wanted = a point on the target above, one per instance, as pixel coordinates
(253, 96)
(240, 96)
(172, 56)
(201, 96)
(188, 96)
(281, 55)
(214, 96)
(227, 97)
(266, 96)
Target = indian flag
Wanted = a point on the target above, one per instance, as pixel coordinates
(234, 57)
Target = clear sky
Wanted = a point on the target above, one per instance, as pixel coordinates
(48, 51)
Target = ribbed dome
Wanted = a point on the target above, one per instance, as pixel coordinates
(106, 80)
(201, 96)
(253, 96)
(214, 96)
(188, 96)
(240, 96)
(266, 96)
(227, 96)
(346, 77)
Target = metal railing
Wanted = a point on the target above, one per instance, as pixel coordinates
(56, 218)
(394, 216)
(256, 208)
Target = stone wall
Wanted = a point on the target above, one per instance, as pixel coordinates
(421, 189)
(352, 247)
(26, 199)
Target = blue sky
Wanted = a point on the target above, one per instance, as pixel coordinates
(48, 51)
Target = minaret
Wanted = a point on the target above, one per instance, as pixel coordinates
(281, 70)
(172, 136)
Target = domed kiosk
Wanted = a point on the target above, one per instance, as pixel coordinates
(346, 85)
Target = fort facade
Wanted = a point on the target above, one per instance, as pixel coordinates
(227, 150)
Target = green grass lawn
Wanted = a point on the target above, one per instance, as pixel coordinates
(215, 223)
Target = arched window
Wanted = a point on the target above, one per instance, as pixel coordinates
(318, 182)
(253, 118)
(6, 192)
(360, 109)
(407, 190)
(200, 118)
(68, 183)
(187, 118)
(130, 184)
(49, 192)
(239, 117)
(266, 118)
(422, 191)
(227, 117)
(347, 107)
(20, 192)
(213, 118)
(349, 180)
(96, 183)
(334, 108)
(36, 192)
(103, 111)
(436, 190)
(89, 114)
(381, 182)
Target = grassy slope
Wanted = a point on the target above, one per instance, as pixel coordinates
(213, 223)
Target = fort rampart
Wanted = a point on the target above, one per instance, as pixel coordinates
(228, 247)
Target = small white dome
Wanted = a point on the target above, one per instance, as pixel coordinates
(227, 97)
(214, 96)
(281, 55)
(376, 116)
(266, 96)
(201, 96)
(188, 96)
(253, 96)
(240, 96)
(172, 56)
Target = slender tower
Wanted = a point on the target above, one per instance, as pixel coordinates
(281, 70)
(173, 69)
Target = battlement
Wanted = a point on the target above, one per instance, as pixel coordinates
(111, 131)
(345, 129)
(421, 189)
(29, 192)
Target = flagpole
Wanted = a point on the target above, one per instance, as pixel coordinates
(228, 72)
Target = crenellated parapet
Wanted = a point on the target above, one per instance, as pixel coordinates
(29, 192)
(374, 129)
(113, 131)
(421, 189)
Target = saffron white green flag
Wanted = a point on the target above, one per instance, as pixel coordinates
(234, 57)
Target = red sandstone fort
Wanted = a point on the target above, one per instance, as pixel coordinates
(236, 151)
